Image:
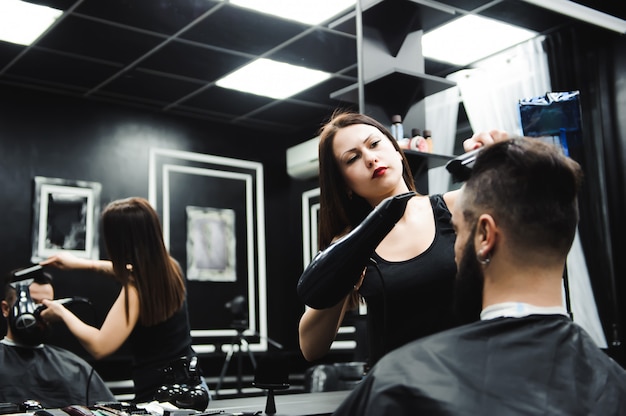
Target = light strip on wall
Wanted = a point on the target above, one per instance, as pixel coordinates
(584, 13)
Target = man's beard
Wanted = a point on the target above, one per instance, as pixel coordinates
(33, 335)
(468, 299)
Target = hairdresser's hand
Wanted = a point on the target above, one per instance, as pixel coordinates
(484, 138)
(66, 261)
(52, 311)
(40, 292)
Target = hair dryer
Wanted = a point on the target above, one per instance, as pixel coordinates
(23, 319)
(333, 272)
(25, 316)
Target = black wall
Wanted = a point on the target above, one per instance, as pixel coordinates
(62, 137)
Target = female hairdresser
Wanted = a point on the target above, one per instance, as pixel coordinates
(151, 309)
(408, 283)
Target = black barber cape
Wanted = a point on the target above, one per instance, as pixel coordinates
(51, 375)
(536, 365)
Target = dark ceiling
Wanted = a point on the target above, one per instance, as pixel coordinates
(165, 55)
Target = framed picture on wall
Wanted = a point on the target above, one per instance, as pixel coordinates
(65, 216)
(211, 244)
(212, 211)
(310, 224)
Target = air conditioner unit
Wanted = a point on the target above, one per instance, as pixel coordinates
(302, 159)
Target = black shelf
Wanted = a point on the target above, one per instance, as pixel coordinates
(395, 90)
(432, 160)
(395, 83)
(394, 19)
(420, 163)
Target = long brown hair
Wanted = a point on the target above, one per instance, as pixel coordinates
(134, 242)
(339, 212)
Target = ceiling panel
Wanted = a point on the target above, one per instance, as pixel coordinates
(325, 51)
(192, 61)
(293, 113)
(221, 100)
(321, 92)
(161, 16)
(147, 86)
(242, 30)
(66, 72)
(89, 38)
(8, 52)
(166, 55)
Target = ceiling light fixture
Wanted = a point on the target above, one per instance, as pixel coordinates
(22, 23)
(311, 12)
(471, 38)
(584, 13)
(272, 79)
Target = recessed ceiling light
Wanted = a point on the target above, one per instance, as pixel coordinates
(311, 12)
(471, 38)
(272, 79)
(23, 23)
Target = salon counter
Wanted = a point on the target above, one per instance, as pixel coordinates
(301, 404)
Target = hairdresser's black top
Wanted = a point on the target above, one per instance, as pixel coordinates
(154, 348)
(416, 297)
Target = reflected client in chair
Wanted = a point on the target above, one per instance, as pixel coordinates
(30, 369)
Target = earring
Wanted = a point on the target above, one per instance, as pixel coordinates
(483, 260)
(129, 267)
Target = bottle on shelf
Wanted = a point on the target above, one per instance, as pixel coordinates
(417, 141)
(404, 143)
(397, 130)
(429, 140)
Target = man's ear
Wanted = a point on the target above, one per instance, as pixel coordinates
(486, 235)
(6, 309)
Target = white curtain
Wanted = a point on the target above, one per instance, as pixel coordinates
(583, 304)
(491, 92)
(441, 116)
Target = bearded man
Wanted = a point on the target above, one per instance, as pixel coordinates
(515, 221)
(32, 371)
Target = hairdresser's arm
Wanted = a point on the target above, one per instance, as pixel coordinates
(114, 331)
(318, 328)
(68, 261)
(484, 138)
(450, 198)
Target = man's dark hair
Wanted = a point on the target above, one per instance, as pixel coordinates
(530, 187)
(10, 279)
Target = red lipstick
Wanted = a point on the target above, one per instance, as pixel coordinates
(379, 172)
